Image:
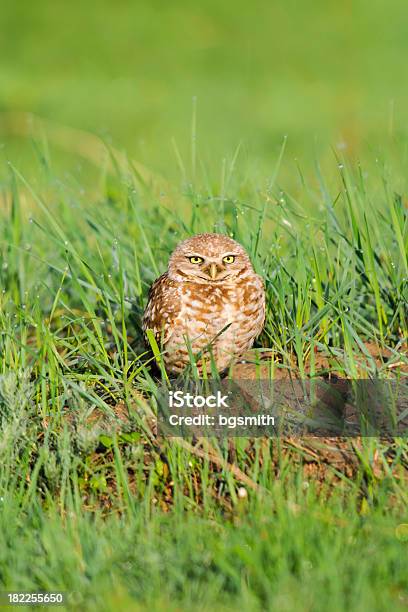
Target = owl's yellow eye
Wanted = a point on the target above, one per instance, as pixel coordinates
(229, 259)
(196, 260)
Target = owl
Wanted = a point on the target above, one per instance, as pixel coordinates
(210, 304)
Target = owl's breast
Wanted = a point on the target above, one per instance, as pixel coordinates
(230, 312)
(209, 306)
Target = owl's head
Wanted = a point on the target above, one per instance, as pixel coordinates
(209, 258)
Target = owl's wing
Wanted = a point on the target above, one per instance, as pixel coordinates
(163, 307)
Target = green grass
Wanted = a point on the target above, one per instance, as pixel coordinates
(101, 508)
(324, 73)
(270, 556)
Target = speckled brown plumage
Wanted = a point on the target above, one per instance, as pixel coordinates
(210, 296)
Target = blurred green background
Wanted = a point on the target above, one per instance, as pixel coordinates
(325, 73)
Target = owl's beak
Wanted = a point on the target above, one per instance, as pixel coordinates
(213, 271)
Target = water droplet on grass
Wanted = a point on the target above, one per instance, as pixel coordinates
(242, 493)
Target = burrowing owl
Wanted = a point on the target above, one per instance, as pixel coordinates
(209, 303)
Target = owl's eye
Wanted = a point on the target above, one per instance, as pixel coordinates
(196, 260)
(229, 259)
